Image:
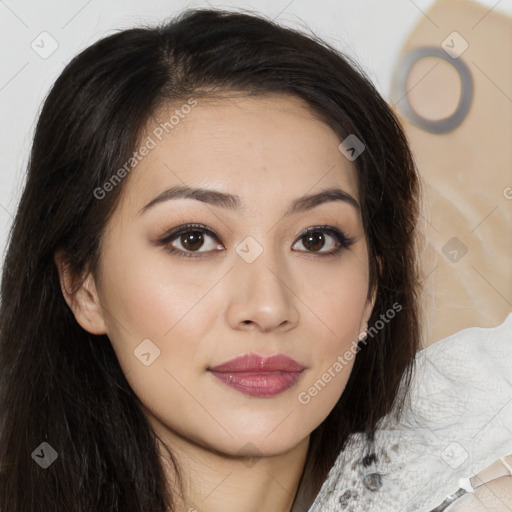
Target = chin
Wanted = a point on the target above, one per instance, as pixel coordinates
(247, 443)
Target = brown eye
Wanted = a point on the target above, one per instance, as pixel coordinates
(189, 239)
(316, 238)
(192, 240)
(314, 241)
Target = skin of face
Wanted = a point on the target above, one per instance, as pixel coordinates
(209, 308)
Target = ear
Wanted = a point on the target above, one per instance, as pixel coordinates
(367, 312)
(370, 303)
(83, 299)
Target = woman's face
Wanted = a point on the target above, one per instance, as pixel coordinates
(248, 285)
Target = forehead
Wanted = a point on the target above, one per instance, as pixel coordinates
(262, 148)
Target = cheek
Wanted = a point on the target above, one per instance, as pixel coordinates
(339, 309)
(342, 310)
(150, 296)
(337, 295)
(156, 334)
(144, 300)
(319, 393)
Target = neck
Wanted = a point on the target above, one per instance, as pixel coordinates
(215, 482)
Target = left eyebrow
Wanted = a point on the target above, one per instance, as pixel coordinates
(233, 202)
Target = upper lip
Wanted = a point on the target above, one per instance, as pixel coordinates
(254, 363)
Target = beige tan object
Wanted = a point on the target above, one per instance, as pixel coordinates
(502, 467)
(492, 490)
(452, 88)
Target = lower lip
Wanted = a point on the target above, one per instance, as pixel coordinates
(264, 384)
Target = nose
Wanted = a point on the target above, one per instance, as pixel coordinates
(261, 295)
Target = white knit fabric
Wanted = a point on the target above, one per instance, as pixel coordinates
(456, 422)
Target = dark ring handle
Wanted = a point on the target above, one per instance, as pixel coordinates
(399, 91)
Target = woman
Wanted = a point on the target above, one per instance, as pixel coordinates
(140, 375)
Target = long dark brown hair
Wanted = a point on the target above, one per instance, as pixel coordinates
(64, 386)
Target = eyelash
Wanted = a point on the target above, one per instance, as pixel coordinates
(343, 241)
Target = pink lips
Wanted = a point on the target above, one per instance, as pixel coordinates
(259, 376)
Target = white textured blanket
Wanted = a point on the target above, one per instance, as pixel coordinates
(457, 421)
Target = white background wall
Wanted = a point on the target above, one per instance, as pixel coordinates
(372, 31)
